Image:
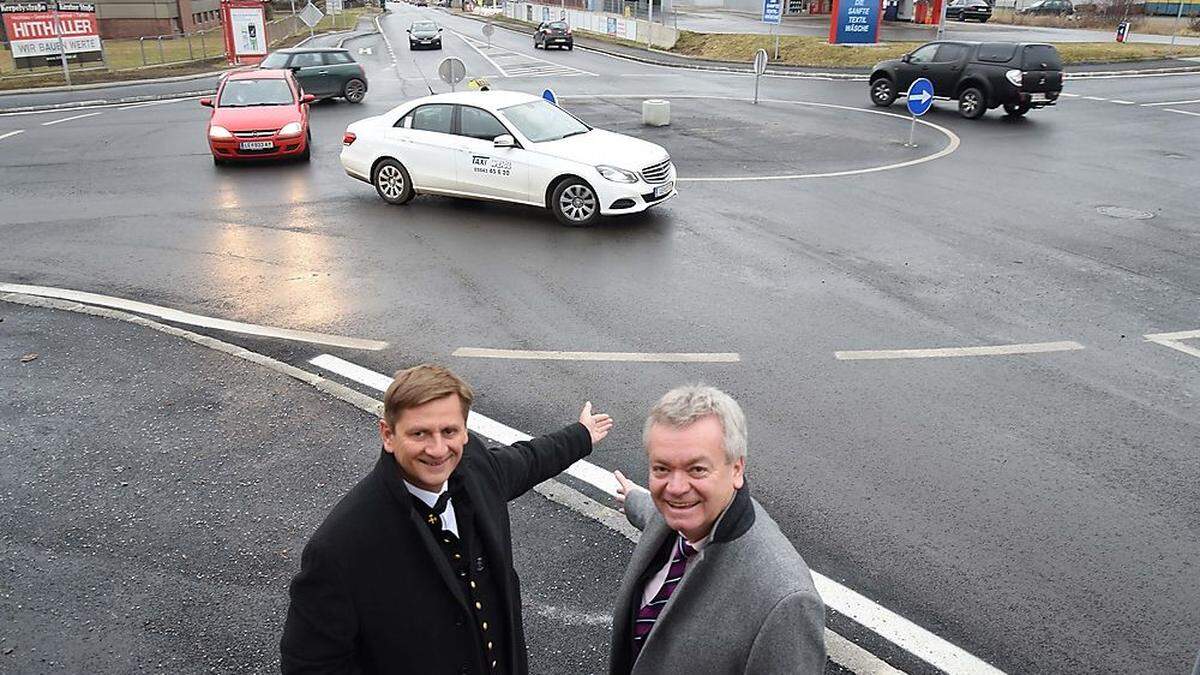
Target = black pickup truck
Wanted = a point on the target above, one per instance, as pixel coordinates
(979, 75)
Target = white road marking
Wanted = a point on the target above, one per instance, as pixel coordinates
(1161, 103)
(1172, 340)
(1118, 101)
(522, 64)
(188, 318)
(68, 119)
(947, 352)
(1095, 98)
(951, 147)
(1070, 95)
(148, 104)
(882, 621)
(1183, 112)
(99, 105)
(11, 134)
(640, 357)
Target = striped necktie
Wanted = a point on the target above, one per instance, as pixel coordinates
(647, 615)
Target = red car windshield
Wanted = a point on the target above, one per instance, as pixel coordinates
(245, 93)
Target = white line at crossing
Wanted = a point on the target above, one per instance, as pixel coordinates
(515, 64)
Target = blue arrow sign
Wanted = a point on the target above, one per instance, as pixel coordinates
(920, 97)
(549, 96)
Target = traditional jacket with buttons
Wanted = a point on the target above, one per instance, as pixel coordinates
(377, 592)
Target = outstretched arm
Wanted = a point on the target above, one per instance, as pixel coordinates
(524, 464)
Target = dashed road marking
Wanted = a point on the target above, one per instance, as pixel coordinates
(1162, 103)
(1069, 95)
(11, 134)
(880, 620)
(190, 319)
(1120, 102)
(948, 352)
(68, 119)
(638, 357)
(1095, 98)
(148, 104)
(1183, 112)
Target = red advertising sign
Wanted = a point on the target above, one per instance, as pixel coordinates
(31, 30)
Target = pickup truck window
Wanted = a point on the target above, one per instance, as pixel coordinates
(924, 54)
(996, 52)
(1041, 57)
(950, 53)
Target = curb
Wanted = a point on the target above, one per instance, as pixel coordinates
(346, 35)
(731, 67)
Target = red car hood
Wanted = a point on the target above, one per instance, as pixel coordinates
(256, 118)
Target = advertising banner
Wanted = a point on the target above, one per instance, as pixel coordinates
(34, 41)
(854, 22)
(248, 31)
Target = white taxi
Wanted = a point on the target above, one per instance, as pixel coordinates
(507, 146)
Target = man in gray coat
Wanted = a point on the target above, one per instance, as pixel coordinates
(713, 586)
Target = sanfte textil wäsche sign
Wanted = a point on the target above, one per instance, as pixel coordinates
(32, 36)
(854, 22)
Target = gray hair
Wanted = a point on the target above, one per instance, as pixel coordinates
(684, 405)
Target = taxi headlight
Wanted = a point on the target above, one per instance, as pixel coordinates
(218, 132)
(290, 129)
(617, 175)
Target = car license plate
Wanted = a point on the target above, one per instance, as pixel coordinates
(662, 190)
(1040, 98)
(256, 145)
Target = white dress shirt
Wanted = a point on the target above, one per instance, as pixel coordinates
(449, 522)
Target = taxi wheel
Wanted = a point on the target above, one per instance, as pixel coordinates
(392, 182)
(575, 204)
(883, 92)
(355, 90)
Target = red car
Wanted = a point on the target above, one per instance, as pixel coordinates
(259, 114)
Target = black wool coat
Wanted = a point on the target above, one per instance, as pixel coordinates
(375, 594)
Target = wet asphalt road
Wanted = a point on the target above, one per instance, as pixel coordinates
(1036, 510)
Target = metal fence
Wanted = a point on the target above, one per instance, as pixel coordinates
(202, 45)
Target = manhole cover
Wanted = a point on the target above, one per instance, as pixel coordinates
(1124, 213)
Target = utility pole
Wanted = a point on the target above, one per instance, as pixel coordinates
(1175, 31)
(941, 31)
(62, 47)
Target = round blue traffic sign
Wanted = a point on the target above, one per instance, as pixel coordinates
(920, 97)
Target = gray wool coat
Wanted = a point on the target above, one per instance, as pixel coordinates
(746, 604)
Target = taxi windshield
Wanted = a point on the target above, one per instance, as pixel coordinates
(244, 93)
(541, 121)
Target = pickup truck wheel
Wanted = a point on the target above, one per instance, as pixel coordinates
(883, 92)
(971, 104)
(1016, 109)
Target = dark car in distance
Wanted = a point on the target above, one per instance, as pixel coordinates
(1048, 8)
(424, 35)
(980, 75)
(964, 10)
(324, 72)
(551, 33)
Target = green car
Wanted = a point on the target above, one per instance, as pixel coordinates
(322, 72)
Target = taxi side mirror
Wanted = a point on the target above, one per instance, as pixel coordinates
(206, 102)
(307, 98)
(504, 141)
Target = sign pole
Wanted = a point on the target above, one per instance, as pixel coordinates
(912, 129)
(941, 31)
(650, 25)
(62, 47)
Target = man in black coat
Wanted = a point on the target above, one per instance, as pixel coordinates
(411, 572)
